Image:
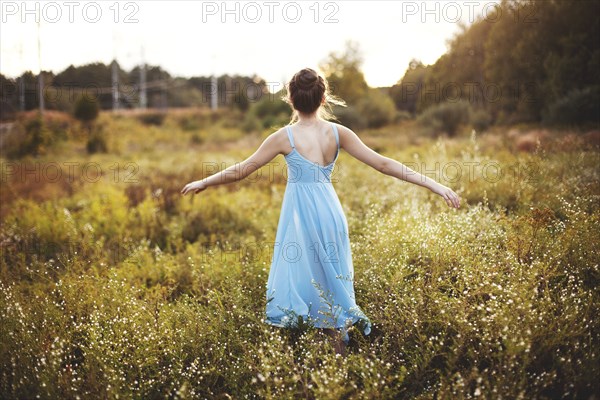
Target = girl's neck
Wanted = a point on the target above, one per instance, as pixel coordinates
(310, 120)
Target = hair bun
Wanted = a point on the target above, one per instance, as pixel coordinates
(307, 91)
(306, 80)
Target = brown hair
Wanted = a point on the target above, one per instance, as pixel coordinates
(306, 90)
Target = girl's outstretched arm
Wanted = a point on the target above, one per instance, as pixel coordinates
(350, 142)
(269, 149)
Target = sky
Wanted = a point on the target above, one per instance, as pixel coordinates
(272, 39)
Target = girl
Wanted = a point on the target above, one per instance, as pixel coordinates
(310, 279)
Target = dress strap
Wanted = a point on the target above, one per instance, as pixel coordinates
(290, 136)
(337, 138)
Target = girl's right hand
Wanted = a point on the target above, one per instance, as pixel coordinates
(196, 187)
(447, 194)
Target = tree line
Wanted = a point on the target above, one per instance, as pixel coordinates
(95, 81)
(527, 61)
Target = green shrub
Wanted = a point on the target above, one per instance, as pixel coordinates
(152, 118)
(480, 120)
(96, 141)
(402, 115)
(34, 134)
(86, 109)
(251, 123)
(445, 117)
(377, 108)
(580, 106)
(38, 136)
(215, 220)
(192, 121)
(350, 117)
(269, 112)
(196, 138)
(36, 140)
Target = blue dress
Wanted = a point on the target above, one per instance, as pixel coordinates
(311, 275)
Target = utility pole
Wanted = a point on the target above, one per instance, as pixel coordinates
(214, 92)
(22, 92)
(143, 98)
(115, 77)
(214, 87)
(21, 81)
(165, 91)
(115, 85)
(41, 75)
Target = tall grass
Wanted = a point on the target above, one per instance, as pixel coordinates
(122, 288)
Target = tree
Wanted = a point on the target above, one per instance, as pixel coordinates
(526, 60)
(541, 51)
(91, 77)
(458, 74)
(343, 72)
(406, 92)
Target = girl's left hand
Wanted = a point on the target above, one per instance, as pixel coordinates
(196, 187)
(447, 194)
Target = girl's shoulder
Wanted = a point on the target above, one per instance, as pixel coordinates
(342, 129)
(280, 136)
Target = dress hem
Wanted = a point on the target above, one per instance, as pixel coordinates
(342, 329)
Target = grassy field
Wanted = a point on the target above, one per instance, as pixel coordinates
(113, 285)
